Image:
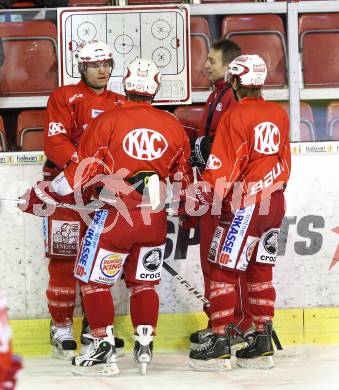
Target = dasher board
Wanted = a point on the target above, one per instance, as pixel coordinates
(160, 34)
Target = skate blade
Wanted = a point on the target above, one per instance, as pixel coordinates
(260, 363)
(62, 354)
(97, 370)
(210, 365)
(143, 368)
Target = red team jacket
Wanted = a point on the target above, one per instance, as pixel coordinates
(219, 101)
(251, 147)
(70, 109)
(138, 137)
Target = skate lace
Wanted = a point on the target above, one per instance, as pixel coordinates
(64, 333)
(206, 345)
(250, 340)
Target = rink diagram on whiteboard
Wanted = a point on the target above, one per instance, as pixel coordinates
(156, 34)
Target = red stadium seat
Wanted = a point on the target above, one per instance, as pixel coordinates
(148, 2)
(29, 133)
(23, 4)
(200, 45)
(227, 1)
(30, 66)
(307, 126)
(333, 121)
(88, 3)
(263, 35)
(190, 117)
(3, 142)
(319, 46)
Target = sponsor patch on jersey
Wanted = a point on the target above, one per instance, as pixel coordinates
(108, 267)
(235, 237)
(266, 138)
(83, 265)
(215, 244)
(145, 144)
(65, 237)
(45, 230)
(218, 107)
(247, 253)
(76, 96)
(55, 128)
(96, 112)
(150, 263)
(213, 162)
(268, 247)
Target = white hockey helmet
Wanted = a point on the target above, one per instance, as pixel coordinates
(94, 51)
(251, 70)
(142, 77)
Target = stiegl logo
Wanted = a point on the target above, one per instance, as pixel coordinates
(145, 144)
(267, 138)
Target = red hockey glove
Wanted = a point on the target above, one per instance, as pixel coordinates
(39, 200)
(194, 202)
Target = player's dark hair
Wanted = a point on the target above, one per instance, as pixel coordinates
(139, 98)
(230, 50)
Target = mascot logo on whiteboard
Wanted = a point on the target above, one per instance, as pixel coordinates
(145, 144)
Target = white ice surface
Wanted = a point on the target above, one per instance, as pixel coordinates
(308, 368)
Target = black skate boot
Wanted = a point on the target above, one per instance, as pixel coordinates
(86, 340)
(213, 355)
(238, 339)
(259, 351)
(200, 337)
(62, 341)
(101, 358)
(143, 347)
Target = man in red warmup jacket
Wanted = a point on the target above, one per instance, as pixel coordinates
(70, 110)
(130, 149)
(248, 168)
(222, 99)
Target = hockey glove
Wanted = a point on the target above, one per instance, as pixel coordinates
(39, 200)
(200, 150)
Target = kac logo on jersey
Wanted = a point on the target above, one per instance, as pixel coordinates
(145, 144)
(96, 112)
(55, 128)
(213, 162)
(218, 107)
(267, 138)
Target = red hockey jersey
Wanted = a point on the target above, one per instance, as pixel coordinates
(70, 110)
(137, 137)
(251, 151)
(219, 101)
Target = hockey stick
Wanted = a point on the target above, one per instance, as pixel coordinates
(205, 301)
(276, 340)
(58, 205)
(185, 283)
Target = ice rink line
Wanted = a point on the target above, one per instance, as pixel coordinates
(303, 367)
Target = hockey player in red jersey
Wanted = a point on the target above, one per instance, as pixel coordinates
(220, 100)
(134, 146)
(70, 110)
(248, 167)
(9, 364)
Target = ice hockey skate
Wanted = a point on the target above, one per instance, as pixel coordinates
(259, 351)
(143, 347)
(200, 337)
(62, 341)
(213, 355)
(86, 340)
(238, 340)
(100, 359)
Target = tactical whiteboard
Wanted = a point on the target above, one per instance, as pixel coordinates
(157, 33)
